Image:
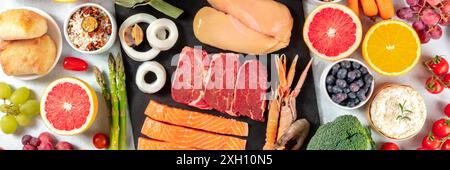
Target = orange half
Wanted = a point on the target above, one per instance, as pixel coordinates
(391, 48)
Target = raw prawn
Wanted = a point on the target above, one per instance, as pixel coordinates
(288, 107)
(298, 130)
(282, 109)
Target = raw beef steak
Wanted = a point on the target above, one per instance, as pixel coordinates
(250, 91)
(220, 82)
(188, 86)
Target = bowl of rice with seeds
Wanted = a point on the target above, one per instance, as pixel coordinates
(90, 29)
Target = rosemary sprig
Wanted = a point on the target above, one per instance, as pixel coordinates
(403, 111)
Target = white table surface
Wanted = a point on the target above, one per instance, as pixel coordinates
(416, 78)
(59, 11)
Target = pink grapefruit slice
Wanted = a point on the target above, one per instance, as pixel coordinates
(69, 106)
(332, 31)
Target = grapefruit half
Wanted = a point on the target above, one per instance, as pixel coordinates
(332, 31)
(69, 106)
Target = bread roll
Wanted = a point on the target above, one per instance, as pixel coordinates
(19, 24)
(25, 57)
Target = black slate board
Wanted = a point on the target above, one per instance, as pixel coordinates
(306, 102)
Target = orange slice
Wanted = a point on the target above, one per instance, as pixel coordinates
(391, 48)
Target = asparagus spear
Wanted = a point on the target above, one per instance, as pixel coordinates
(122, 95)
(105, 90)
(114, 136)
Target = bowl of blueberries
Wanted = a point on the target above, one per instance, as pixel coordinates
(348, 83)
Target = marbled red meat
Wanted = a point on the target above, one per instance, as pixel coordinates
(220, 82)
(250, 91)
(188, 86)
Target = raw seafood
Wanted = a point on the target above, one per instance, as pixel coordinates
(190, 137)
(250, 26)
(150, 144)
(282, 109)
(298, 131)
(195, 120)
(188, 86)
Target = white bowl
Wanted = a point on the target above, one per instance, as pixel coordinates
(324, 88)
(111, 39)
(54, 32)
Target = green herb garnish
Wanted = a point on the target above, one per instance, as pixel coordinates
(404, 112)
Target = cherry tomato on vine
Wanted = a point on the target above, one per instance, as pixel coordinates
(447, 80)
(431, 142)
(439, 65)
(434, 86)
(441, 128)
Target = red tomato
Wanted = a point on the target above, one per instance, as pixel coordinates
(434, 86)
(447, 80)
(446, 145)
(441, 128)
(439, 65)
(421, 149)
(389, 146)
(101, 141)
(426, 149)
(431, 142)
(447, 110)
(75, 64)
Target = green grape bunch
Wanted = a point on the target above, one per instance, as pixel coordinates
(19, 109)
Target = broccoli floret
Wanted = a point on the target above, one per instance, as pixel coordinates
(344, 133)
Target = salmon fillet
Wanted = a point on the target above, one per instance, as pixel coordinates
(150, 144)
(190, 137)
(195, 120)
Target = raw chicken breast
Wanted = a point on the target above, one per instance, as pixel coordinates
(220, 30)
(265, 16)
